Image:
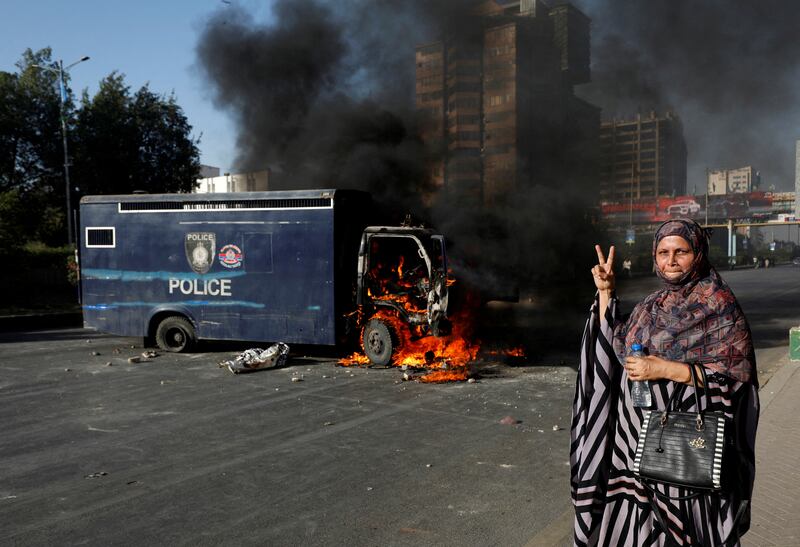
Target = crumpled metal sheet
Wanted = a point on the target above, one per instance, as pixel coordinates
(257, 358)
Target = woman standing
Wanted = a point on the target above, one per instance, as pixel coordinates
(693, 320)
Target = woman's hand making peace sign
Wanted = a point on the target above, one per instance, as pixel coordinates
(603, 273)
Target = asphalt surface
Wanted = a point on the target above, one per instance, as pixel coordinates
(177, 451)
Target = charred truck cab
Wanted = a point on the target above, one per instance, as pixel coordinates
(299, 267)
(402, 272)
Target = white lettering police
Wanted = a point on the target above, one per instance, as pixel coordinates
(201, 287)
(200, 237)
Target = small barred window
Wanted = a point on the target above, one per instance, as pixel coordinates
(100, 238)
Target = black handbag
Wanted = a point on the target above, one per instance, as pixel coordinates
(682, 448)
(686, 449)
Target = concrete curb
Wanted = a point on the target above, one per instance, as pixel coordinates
(14, 323)
(777, 382)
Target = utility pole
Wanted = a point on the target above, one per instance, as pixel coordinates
(62, 107)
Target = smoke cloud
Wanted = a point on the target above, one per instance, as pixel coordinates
(729, 69)
(323, 95)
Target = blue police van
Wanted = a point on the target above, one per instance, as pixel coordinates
(298, 267)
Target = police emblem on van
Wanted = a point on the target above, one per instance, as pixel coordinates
(230, 256)
(200, 247)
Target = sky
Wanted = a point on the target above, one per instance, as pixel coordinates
(147, 41)
(735, 94)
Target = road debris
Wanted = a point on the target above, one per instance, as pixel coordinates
(109, 364)
(134, 359)
(149, 354)
(509, 420)
(297, 378)
(95, 353)
(95, 475)
(253, 359)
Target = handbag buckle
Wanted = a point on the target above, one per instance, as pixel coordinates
(663, 420)
(699, 423)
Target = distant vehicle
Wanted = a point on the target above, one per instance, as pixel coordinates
(683, 208)
(796, 261)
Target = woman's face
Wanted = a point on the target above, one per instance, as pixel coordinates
(674, 256)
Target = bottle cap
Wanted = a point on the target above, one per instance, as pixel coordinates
(636, 347)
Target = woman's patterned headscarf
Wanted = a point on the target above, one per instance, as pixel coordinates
(697, 237)
(693, 319)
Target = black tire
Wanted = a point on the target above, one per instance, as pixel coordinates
(175, 334)
(378, 342)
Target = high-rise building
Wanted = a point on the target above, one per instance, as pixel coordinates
(498, 108)
(642, 157)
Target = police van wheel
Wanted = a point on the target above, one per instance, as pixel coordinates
(378, 342)
(175, 334)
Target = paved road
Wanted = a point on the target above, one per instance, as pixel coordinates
(178, 451)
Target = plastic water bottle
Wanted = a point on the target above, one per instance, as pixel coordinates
(640, 390)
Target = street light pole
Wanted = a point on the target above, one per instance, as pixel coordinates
(62, 88)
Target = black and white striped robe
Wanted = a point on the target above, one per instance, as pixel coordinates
(611, 506)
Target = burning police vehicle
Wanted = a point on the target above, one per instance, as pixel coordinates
(297, 267)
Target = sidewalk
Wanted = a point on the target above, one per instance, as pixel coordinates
(776, 502)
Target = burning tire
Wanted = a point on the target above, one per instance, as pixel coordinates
(378, 342)
(175, 334)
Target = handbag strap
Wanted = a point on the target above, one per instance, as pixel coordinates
(733, 535)
(680, 388)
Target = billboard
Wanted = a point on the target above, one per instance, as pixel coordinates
(753, 206)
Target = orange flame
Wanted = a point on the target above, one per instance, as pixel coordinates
(508, 352)
(448, 356)
(355, 359)
(441, 376)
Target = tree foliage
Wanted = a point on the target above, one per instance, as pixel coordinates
(118, 142)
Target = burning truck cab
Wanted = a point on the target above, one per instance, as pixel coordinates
(300, 267)
(402, 284)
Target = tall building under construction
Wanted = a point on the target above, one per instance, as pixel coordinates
(498, 105)
(643, 157)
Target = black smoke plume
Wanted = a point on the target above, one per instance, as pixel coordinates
(323, 94)
(729, 68)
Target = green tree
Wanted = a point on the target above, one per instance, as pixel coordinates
(168, 160)
(133, 142)
(31, 156)
(118, 142)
